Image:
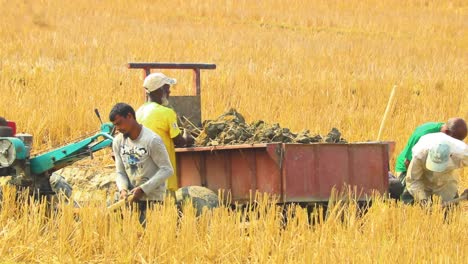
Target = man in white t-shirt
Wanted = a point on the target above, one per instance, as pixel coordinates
(141, 159)
(432, 170)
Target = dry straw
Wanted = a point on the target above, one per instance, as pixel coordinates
(264, 232)
(303, 64)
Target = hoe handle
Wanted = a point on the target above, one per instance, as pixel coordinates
(463, 197)
(119, 204)
(111, 208)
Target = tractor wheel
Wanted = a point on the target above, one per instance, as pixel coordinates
(6, 131)
(200, 196)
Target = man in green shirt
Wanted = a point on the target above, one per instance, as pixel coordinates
(455, 127)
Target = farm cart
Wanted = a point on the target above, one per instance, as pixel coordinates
(295, 173)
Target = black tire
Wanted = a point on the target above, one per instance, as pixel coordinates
(6, 131)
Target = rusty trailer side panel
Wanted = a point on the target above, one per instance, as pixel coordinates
(237, 169)
(293, 172)
(311, 171)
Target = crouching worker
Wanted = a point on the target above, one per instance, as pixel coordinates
(141, 160)
(432, 169)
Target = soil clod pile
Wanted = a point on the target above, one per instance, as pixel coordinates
(232, 129)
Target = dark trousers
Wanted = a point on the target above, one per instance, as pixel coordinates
(142, 207)
(395, 188)
(405, 197)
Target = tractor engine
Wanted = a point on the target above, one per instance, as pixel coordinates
(15, 150)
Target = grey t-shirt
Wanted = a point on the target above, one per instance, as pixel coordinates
(142, 162)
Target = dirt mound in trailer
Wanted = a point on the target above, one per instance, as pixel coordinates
(232, 129)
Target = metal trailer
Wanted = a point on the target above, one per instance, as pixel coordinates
(299, 173)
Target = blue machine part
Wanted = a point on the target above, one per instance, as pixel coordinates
(66, 155)
(107, 128)
(11, 149)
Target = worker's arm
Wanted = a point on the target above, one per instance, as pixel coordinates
(460, 156)
(178, 138)
(414, 179)
(160, 157)
(408, 158)
(179, 141)
(407, 162)
(122, 177)
(409, 154)
(464, 158)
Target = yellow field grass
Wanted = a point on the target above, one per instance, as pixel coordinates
(388, 233)
(304, 64)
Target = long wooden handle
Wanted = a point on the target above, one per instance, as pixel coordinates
(119, 204)
(389, 106)
(110, 208)
(462, 197)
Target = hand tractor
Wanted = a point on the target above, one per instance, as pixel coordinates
(35, 173)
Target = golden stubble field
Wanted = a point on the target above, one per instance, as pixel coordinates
(304, 64)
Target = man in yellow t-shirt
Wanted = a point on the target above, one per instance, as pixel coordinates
(161, 119)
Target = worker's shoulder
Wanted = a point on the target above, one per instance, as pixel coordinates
(167, 110)
(432, 139)
(167, 114)
(155, 108)
(146, 107)
(429, 127)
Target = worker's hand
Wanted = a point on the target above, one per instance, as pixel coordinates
(425, 202)
(407, 162)
(189, 140)
(137, 194)
(123, 194)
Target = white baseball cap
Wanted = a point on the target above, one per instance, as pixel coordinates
(156, 80)
(438, 158)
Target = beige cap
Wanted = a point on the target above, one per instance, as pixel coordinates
(156, 80)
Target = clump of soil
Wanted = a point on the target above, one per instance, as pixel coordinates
(232, 129)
